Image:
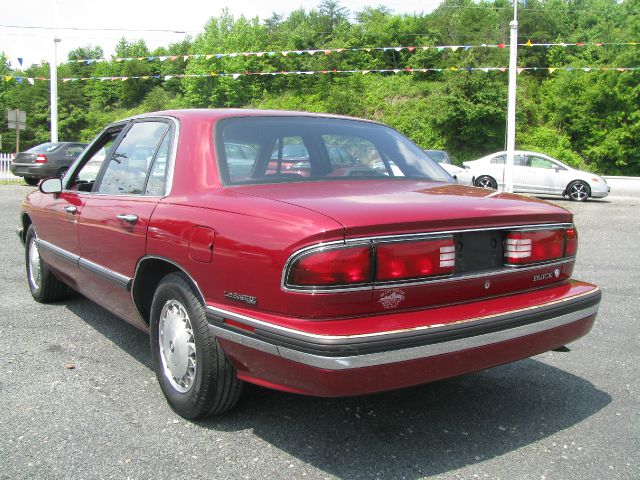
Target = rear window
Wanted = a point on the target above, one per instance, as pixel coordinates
(288, 149)
(45, 147)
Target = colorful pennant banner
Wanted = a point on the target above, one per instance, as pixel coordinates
(236, 75)
(330, 51)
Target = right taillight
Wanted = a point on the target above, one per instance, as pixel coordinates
(571, 242)
(41, 158)
(535, 246)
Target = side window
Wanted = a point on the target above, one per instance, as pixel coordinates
(538, 162)
(520, 161)
(126, 172)
(74, 150)
(85, 178)
(498, 160)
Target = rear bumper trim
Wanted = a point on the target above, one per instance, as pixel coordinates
(350, 352)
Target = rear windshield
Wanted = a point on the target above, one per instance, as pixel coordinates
(288, 149)
(45, 147)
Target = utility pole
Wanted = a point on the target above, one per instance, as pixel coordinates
(511, 102)
(53, 74)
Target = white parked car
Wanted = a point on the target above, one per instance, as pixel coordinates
(538, 173)
(462, 175)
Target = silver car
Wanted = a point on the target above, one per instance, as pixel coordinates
(540, 174)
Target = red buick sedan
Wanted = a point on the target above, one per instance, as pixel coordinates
(342, 279)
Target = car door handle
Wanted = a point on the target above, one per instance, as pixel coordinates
(127, 217)
(71, 209)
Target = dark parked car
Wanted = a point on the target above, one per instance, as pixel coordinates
(46, 160)
(344, 280)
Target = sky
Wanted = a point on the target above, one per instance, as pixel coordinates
(109, 21)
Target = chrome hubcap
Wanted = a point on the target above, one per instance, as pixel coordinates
(485, 183)
(177, 346)
(34, 264)
(578, 191)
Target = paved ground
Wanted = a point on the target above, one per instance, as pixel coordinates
(557, 416)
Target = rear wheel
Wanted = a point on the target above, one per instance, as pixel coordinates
(578, 191)
(194, 373)
(44, 285)
(33, 181)
(485, 181)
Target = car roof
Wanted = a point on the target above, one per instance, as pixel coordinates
(219, 113)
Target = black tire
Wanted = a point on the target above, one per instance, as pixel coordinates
(44, 285)
(485, 181)
(578, 191)
(209, 386)
(33, 181)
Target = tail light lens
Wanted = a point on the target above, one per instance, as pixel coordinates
(571, 245)
(353, 266)
(536, 246)
(401, 260)
(41, 158)
(346, 266)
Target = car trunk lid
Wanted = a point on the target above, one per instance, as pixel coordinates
(25, 157)
(390, 207)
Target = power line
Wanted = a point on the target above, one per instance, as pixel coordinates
(92, 29)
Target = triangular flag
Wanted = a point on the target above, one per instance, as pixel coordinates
(528, 44)
(31, 81)
(20, 59)
(551, 70)
(236, 75)
(519, 70)
(454, 48)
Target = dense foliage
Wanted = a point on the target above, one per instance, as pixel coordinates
(590, 118)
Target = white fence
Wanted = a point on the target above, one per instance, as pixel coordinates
(5, 161)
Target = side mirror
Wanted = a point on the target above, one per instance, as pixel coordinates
(51, 185)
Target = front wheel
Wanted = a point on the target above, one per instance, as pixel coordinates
(485, 181)
(194, 373)
(578, 191)
(43, 284)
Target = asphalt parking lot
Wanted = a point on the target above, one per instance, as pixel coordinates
(569, 415)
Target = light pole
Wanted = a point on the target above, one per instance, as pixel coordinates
(511, 102)
(53, 75)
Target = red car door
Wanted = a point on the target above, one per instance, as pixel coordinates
(113, 227)
(56, 223)
(56, 217)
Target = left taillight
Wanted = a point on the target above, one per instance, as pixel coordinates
(41, 158)
(331, 268)
(404, 260)
(535, 246)
(363, 265)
